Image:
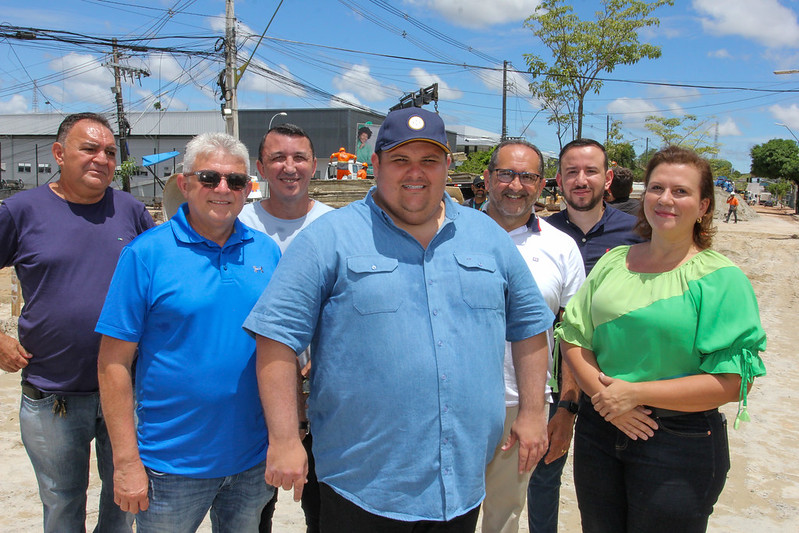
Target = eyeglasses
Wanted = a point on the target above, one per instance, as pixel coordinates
(236, 181)
(506, 175)
(479, 185)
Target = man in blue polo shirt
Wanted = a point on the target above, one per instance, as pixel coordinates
(177, 299)
(596, 227)
(406, 403)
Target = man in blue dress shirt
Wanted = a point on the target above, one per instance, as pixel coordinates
(406, 403)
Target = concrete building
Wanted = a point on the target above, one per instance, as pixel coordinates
(25, 140)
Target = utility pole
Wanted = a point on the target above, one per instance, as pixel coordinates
(122, 122)
(504, 100)
(230, 109)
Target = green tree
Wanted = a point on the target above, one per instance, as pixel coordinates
(620, 152)
(561, 110)
(583, 49)
(685, 131)
(775, 159)
(123, 174)
(722, 167)
(643, 160)
(476, 162)
(779, 189)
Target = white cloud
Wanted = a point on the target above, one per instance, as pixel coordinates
(166, 99)
(16, 104)
(728, 128)
(217, 23)
(358, 81)
(90, 81)
(349, 97)
(517, 83)
(478, 13)
(786, 115)
(257, 78)
(632, 111)
(782, 60)
(164, 66)
(424, 78)
(721, 53)
(765, 21)
(673, 98)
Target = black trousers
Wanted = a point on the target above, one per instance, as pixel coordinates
(340, 515)
(309, 500)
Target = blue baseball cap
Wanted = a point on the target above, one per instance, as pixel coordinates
(411, 124)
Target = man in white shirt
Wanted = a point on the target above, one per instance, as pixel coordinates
(515, 180)
(286, 160)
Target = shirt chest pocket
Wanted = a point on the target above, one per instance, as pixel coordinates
(374, 284)
(481, 285)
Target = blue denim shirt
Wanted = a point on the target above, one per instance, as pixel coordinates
(407, 393)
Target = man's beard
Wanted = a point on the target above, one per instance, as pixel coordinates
(593, 202)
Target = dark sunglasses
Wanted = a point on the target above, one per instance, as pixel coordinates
(479, 185)
(236, 181)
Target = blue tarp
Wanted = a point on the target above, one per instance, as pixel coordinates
(150, 160)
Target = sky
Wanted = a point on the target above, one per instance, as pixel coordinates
(717, 62)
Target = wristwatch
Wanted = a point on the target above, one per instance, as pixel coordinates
(570, 406)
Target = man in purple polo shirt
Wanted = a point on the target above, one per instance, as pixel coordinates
(63, 239)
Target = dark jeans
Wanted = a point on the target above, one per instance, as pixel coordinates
(543, 491)
(309, 500)
(340, 515)
(667, 483)
(732, 212)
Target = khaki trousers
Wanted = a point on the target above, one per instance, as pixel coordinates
(506, 490)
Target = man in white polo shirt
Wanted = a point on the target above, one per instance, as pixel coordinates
(515, 180)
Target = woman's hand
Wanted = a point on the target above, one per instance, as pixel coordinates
(636, 424)
(618, 404)
(615, 399)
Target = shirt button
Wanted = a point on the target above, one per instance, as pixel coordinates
(583, 239)
(374, 267)
(430, 282)
(443, 376)
(435, 312)
(446, 408)
(446, 440)
(440, 343)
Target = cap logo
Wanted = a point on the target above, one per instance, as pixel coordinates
(416, 122)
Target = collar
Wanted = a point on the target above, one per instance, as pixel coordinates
(533, 223)
(185, 233)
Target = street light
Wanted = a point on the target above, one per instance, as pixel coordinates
(787, 128)
(281, 114)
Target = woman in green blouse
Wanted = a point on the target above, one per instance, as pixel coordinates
(661, 334)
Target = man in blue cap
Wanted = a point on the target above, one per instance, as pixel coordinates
(406, 403)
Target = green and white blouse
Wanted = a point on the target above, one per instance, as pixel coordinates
(701, 317)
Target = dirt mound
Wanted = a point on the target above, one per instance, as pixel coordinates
(745, 211)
